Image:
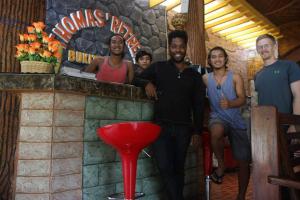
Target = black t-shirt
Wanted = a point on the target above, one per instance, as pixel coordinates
(179, 93)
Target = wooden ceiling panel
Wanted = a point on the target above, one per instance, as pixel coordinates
(286, 15)
(278, 11)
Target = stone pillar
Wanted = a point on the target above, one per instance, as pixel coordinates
(50, 147)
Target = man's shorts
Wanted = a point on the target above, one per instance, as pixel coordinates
(238, 138)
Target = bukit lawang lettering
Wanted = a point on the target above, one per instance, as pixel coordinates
(86, 18)
(80, 57)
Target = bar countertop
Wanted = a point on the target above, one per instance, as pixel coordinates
(16, 82)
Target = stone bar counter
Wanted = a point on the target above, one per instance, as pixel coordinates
(60, 157)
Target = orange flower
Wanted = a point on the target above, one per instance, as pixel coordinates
(46, 39)
(31, 50)
(32, 37)
(46, 54)
(53, 45)
(35, 45)
(20, 47)
(39, 26)
(21, 37)
(30, 29)
(26, 47)
(57, 55)
(19, 54)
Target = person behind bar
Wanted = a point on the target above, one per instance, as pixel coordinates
(278, 82)
(226, 95)
(178, 91)
(143, 60)
(113, 68)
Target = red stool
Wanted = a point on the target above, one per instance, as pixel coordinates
(129, 138)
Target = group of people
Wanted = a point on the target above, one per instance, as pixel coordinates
(179, 92)
(114, 68)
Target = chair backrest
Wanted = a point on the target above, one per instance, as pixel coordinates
(289, 150)
(275, 153)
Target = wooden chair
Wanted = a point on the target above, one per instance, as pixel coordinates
(275, 154)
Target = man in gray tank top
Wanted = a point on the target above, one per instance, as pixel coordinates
(226, 95)
(278, 82)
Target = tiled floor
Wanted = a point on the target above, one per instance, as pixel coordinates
(228, 189)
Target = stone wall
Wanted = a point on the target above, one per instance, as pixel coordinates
(49, 157)
(148, 25)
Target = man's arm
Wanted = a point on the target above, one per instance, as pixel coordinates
(295, 87)
(294, 80)
(145, 77)
(144, 80)
(240, 93)
(205, 79)
(198, 104)
(93, 67)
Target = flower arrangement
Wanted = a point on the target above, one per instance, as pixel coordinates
(38, 46)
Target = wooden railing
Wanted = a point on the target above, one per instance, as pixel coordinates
(274, 154)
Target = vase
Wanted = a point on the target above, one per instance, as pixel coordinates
(36, 67)
(179, 21)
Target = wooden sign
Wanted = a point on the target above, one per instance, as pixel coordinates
(87, 18)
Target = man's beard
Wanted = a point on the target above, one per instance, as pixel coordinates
(177, 61)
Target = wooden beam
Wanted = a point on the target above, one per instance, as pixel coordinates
(208, 1)
(254, 38)
(216, 7)
(224, 19)
(251, 30)
(241, 28)
(265, 153)
(173, 4)
(230, 25)
(249, 40)
(212, 16)
(284, 182)
(248, 45)
(153, 3)
(196, 32)
(251, 35)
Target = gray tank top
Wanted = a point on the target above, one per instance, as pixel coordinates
(215, 94)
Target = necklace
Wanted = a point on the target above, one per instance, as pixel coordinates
(219, 81)
(179, 75)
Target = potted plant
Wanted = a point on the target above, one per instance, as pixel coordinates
(37, 52)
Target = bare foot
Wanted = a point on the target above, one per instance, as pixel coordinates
(220, 170)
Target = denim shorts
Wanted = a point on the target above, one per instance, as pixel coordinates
(238, 138)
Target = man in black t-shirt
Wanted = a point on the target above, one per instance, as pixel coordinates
(178, 91)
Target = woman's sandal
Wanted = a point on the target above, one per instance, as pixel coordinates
(216, 178)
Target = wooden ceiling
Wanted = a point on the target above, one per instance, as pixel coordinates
(286, 15)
